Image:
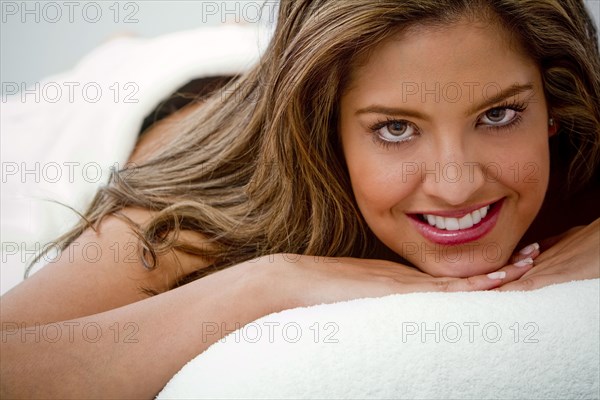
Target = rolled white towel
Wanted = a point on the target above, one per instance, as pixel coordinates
(541, 344)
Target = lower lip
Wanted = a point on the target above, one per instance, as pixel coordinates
(461, 236)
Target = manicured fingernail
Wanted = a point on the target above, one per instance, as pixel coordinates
(523, 263)
(497, 275)
(529, 249)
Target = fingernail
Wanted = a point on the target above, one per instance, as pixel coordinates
(529, 249)
(523, 263)
(497, 275)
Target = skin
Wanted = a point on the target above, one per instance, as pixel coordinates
(451, 130)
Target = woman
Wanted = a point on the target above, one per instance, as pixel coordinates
(367, 154)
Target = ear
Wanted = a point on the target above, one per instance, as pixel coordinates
(552, 127)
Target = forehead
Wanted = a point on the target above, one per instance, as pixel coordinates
(466, 52)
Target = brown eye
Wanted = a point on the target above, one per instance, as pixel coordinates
(397, 128)
(498, 116)
(396, 131)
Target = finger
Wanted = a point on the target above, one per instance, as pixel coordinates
(516, 270)
(529, 251)
(521, 285)
(490, 281)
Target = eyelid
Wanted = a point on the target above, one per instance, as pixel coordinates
(389, 120)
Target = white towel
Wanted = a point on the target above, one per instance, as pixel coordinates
(541, 344)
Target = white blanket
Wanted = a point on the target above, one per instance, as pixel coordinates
(61, 137)
(541, 344)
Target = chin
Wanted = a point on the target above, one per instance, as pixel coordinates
(460, 269)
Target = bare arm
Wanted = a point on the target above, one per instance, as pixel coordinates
(132, 351)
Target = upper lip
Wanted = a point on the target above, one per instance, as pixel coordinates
(456, 213)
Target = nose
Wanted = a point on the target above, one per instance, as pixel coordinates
(451, 174)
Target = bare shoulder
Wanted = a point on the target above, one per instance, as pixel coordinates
(101, 270)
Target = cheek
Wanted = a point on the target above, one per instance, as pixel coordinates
(526, 170)
(378, 181)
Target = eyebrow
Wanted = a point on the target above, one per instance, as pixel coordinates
(379, 109)
(502, 95)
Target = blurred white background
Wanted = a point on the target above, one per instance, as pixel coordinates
(41, 38)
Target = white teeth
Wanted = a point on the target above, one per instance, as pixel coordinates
(483, 211)
(465, 222)
(431, 220)
(451, 224)
(454, 224)
(440, 222)
(476, 217)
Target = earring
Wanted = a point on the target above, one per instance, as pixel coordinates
(551, 122)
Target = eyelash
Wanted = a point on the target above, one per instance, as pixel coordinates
(518, 107)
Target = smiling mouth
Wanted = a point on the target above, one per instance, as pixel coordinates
(456, 228)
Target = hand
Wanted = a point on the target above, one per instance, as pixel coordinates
(297, 280)
(574, 255)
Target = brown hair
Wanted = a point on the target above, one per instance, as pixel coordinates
(258, 170)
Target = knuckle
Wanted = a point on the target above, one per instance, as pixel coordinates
(392, 280)
(471, 283)
(526, 284)
(442, 285)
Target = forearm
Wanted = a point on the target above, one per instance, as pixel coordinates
(140, 346)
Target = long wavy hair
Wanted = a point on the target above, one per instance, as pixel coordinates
(258, 168)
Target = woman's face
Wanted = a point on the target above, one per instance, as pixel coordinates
(445, 134)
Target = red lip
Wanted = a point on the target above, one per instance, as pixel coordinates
(461, 236)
